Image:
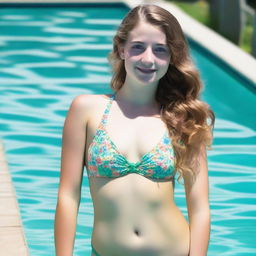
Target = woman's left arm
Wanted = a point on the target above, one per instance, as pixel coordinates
(197, 197)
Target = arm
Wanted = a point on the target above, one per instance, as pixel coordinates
(72, 163)
(198, 208)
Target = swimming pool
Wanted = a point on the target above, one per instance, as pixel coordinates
(49, 55)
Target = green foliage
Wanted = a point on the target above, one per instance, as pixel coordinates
(198, 10)
(246, 42)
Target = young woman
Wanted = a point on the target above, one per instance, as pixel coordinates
(134, 141)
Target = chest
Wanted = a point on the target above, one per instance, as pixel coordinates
(135, 137)
(124, 145)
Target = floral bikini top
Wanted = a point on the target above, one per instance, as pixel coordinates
(104, 159)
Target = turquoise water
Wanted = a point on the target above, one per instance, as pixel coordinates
(50, 55)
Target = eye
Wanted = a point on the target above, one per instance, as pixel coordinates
(137, 47)
(160, 49)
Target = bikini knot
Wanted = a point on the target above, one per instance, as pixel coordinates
(133, 167)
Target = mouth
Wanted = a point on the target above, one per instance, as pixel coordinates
(146, 70)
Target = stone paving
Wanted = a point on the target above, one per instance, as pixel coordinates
(12, 238)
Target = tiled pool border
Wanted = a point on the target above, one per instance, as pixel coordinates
(12, 236)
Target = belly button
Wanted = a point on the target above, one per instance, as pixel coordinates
(136, 231)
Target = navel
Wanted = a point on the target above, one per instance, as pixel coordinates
(137, 232)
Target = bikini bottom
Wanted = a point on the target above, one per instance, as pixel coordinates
(94, 251)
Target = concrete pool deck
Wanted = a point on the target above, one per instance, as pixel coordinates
(12, 238)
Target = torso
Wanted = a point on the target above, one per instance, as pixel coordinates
(134, 215)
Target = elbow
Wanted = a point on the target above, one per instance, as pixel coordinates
(201, 220)
(202, 213)
(67, 201)
(69, 194)
(205, 216)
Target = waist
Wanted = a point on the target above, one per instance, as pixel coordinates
(164, 233)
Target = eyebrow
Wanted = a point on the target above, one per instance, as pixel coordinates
(133, 42)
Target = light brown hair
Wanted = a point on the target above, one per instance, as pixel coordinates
(189, 120)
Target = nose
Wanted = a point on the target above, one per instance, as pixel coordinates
(147, 56)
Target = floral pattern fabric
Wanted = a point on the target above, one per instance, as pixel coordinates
(104, 159)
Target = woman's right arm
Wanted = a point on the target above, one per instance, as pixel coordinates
(72, 165)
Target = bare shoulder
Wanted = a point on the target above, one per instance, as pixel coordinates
(92, 97)
(85, 104)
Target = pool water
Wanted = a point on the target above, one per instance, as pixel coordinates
(49, 55)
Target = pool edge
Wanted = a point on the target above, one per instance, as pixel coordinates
(13, 241)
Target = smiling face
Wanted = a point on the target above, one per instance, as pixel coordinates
(146, 54)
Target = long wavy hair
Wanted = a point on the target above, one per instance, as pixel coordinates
(189, 120)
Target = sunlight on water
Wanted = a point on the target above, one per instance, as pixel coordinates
(49, 56)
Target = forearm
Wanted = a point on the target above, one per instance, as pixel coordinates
(65, 226)
(199, 233)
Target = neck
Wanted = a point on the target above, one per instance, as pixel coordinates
(138, 97)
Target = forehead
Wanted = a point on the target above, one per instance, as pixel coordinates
(144, 31)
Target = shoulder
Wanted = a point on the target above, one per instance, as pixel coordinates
(85, 104)
(88, 101)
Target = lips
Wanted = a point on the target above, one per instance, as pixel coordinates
(146, 70)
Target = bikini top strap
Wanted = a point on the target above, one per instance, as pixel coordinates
(106, 112)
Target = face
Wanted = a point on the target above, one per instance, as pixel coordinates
(146, 54)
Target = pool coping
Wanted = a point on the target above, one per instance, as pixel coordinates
(12, 236)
